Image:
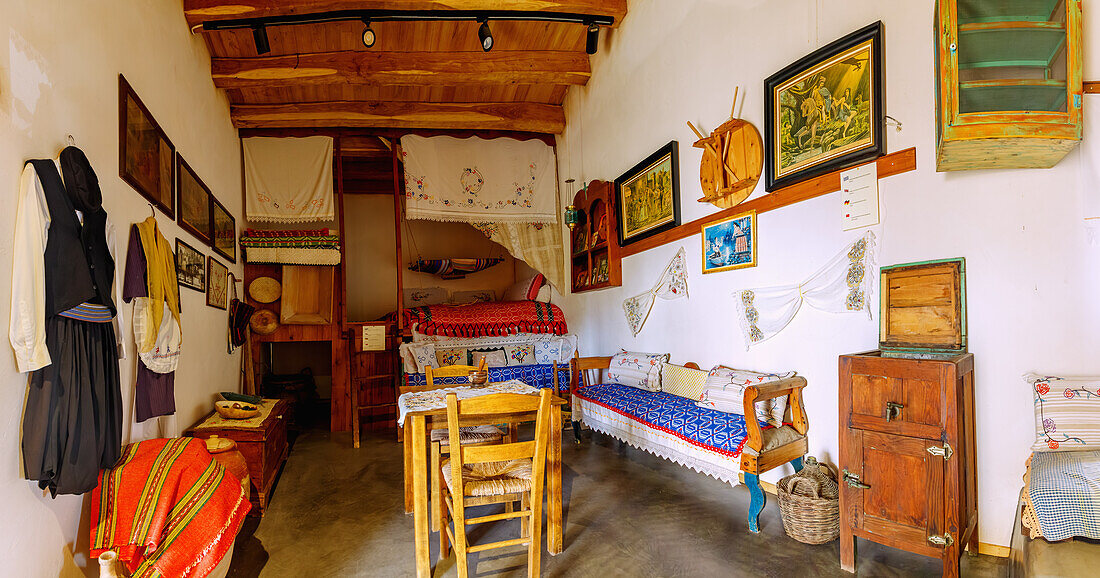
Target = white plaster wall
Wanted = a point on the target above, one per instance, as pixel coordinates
(1032, 274)
(59, 66)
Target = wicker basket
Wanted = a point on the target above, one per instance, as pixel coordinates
(810, 503)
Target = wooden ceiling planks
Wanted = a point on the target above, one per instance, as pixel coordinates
(422, 74)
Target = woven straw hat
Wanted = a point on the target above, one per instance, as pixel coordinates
(265, 290)
(263, 322)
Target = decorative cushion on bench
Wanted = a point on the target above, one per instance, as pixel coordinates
(683, 381)
(776, 437)
(725, 392)
(1067, 412)
(640, 370)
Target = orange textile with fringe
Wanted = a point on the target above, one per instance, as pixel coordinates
(168, 509)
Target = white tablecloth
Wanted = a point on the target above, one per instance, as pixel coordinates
(437, 398)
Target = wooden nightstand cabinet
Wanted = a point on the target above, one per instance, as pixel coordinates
(907, 456)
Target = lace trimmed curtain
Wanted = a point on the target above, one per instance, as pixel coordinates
(288, 180)
(843, 284)
(671, 285)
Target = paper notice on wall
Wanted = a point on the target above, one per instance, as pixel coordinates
(374, 337)
(859, 196)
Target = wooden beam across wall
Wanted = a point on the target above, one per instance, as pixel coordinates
(403, 68)
(199, 11)
(888, 165)
(514, 116)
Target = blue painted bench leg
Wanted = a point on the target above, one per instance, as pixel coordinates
(756, 505)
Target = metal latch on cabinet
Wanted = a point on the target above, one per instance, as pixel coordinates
(853, 481)
(944, 452)
(945, 540)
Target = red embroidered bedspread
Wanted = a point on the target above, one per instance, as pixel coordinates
(167, 508)
(487, 319)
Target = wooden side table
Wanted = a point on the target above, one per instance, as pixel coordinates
(263, 445)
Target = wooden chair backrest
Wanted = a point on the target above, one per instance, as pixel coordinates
(430, 373)
(486, 408)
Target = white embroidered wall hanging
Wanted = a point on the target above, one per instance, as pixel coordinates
(475, 180)
(843, 284)
(671, 285)
(288, 180)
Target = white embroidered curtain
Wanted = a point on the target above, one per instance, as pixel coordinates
(475, 180)
(671, 285)
(843, 284)
(537, 244)
(288, 180)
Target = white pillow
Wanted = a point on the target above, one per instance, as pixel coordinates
(548, 351)
(533, 288)
(1067, 412)
(725, 392)
(640, 370)
(424, 355)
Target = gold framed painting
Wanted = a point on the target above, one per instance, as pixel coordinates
(730, 243)
(827, 111)
(648, 196)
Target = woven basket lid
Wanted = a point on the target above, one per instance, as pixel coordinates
(265, 290)
(263, 322)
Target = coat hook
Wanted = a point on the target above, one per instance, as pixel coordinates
(893, 121)
(71, 140)
(152, 210)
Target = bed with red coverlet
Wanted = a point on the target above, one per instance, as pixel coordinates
(487, 319)
(168, 509)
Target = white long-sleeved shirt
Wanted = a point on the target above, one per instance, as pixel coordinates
(27, 330)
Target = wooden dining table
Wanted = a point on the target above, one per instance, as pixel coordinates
(417, 427)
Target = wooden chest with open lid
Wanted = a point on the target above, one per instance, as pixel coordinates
(922, 311)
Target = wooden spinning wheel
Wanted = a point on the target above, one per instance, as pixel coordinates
(732, 161)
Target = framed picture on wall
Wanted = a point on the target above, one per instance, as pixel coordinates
(146, 158)
(827, 111)
(648, 196)
(225, 231)
(730, 244)
(190, 267)
(194, 202)
(217, 283)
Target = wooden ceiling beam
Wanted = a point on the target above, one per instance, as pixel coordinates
(403, 68)
(199, 11)
(511, 116)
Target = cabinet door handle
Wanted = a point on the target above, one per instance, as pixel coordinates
(854, 481)
(893, 410)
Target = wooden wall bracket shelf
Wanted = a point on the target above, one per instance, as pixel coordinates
(888, 165)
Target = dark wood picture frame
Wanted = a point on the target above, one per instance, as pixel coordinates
(194, 256)
(146, 157)
(223, 237)
(212, 298)
(671, 152)
(201, 231)
(817, 65)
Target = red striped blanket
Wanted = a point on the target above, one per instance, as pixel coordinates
(487, 319)
(167, 508)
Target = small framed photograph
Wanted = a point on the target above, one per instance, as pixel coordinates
(648, 196)
(225, 231)
(194, 202)
(730, 244)
(190, 267)
(146, 158)
(217, 284)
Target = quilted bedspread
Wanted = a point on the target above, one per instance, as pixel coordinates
(487, 319)
(538, 376)
(721, 432)
(1064, 493)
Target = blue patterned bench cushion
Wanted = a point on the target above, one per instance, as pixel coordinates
(1064, 488)
(537, 375)
(722, 432)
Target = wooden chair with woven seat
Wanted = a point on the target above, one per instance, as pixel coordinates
(498, 474)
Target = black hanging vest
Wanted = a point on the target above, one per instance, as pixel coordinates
(79, 267)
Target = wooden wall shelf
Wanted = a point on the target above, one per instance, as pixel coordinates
(888, 165)
(595, 265)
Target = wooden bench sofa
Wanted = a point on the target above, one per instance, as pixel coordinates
(719, 444)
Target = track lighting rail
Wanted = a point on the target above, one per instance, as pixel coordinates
(408, 15)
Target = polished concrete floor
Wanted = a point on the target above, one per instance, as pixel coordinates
(337, 511)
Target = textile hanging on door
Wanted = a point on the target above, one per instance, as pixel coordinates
(671, 285)
(844, 284)
(476, 180)
(288, 180)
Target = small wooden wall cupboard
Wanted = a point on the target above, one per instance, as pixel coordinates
(907, 456)
(1008, 76)
(595, 260)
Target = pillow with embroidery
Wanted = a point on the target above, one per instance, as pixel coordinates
(424, 356)
(547, 351)
(520, 354)
(1067, 412)
(494, 357)
(725, 392)
(456, 356)
(640, 370)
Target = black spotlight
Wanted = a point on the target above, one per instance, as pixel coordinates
(485, 35)
(592, 39)
(368, 34)
(259, 36)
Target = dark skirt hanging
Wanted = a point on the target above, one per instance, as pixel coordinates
(154, 395)
(72, 425)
